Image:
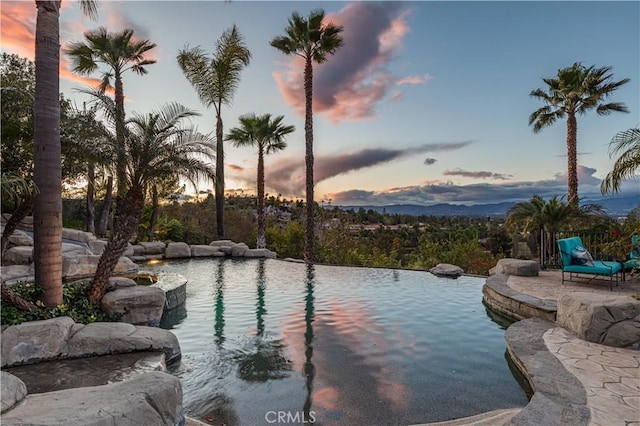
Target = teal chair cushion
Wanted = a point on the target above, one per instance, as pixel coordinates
(599, 268)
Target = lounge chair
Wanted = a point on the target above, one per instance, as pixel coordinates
(599, 267)
(634, 255)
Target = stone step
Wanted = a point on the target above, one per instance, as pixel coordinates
(84, 372)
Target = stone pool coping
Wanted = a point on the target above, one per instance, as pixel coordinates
(560, 367)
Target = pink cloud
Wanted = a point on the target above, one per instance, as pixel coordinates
(352, 82)
(415, 79)
(17, 30)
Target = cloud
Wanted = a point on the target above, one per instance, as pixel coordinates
(480, 193)
(429, 161)
(287, 175)
(235, 167)
(477, 175)
(585, 176)
(417, 79)
(352, 82)
(17, 29)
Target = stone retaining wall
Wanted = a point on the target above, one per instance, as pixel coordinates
(500, 297)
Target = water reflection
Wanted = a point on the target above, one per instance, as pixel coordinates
(219, 306)
(308, 367)
(263, 359)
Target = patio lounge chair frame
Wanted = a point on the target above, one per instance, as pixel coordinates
(599, 269)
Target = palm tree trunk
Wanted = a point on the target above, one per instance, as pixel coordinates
(101, 230)
(12, 224)
(219, 184)
(47, 211)
(8, 296)
(309, 251)
(91, 208)
(261, 243)
(128, 212)
(154, 212)
(572, 158)
(121, 171)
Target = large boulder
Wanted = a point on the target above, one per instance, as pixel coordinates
(13, 273)
(223, 245)
(153, 398)
(20, 238)
(77, 235)
(140, 305)
(71, 249)
(239, 249)
(97, 246)
(61, 338)
(120, 282)
(153, 247)
(177, 250)
(12, 390)
(35, 341)
(205, 251)
(83, 266)
(138, 250)
(519, 267)
(103, 338)
(609, 320)
(260, 253)
(175, 290)
(18, 256)
(446, 270)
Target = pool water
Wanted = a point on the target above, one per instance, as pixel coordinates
(271, 342)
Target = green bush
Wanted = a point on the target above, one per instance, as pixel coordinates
(75, 305)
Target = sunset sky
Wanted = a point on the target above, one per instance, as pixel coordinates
(427, 102)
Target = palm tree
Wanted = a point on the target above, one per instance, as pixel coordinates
(268, 135)
(157, 146)
(216, 80)
(47, 174)
(119, 52)
(575, 90)
(537, 215)
(313, 40)
(627, 144)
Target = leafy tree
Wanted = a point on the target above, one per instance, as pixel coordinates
(17, 83)
(314, 40)
(267, 135)
(216, 79)
(626, 144)
(157, 146)
(118, 52)
(575, 90)
(47, 209)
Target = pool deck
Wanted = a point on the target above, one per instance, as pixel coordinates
(576, 382)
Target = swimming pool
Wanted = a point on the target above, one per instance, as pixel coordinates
(268, 342)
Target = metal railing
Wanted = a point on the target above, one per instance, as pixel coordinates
(594, 242)
(544, 248)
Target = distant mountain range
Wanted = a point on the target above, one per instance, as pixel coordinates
(614, 206)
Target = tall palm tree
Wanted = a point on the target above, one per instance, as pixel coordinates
(267, 135)
(216, 79)
(118, 52)
(47, 174)
(313, 40)
(627, 144)
(575, 90)
(157, 146)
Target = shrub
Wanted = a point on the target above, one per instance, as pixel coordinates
(75, 305)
